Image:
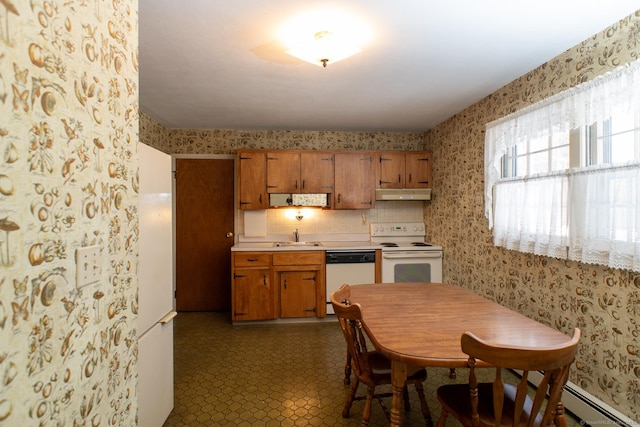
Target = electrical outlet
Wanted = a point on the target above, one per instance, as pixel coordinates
(88, 265)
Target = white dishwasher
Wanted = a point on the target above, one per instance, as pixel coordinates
(348, 266)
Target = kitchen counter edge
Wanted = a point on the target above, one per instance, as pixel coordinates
(324, 246)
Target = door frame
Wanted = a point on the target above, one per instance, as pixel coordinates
(174, 200)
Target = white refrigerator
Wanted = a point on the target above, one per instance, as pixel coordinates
(156, 291)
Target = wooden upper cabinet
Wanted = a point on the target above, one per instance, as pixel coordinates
(354, 180)
(283, 172)
(404, 170)
(299, 172)
(350, 178)
(391, 170)
(316, 172)
(252, 169)
(418, 170)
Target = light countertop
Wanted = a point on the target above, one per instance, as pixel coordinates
(356, 241)
(323, 246)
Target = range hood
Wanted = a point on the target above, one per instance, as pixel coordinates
(403, 194)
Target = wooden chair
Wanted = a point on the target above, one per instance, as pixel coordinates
(370, 367)
(500, 404)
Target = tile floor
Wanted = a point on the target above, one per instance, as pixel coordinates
(272, 375)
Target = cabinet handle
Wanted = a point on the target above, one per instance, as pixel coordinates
(303, 184)
(400, 178)
(410, 179)
(264, 280)
(339, 200)
(260, 199)
(296, 184)
(252, 259)
(285, 283)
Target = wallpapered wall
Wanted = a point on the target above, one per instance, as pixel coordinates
(215, 141)
(603, 302)
(68, 178)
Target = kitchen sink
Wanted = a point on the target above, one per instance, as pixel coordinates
(291, 243)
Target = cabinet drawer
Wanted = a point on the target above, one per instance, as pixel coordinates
(251, 259)
(298, 258)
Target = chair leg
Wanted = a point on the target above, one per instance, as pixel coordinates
(352, 394)
(426, 413)
(442, 421)
(347, 370)
(405, 397)
(366, 412)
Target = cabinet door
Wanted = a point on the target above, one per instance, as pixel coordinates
(252, 173)
(283, 172)
(354, 179)
(392, 170)
(297, 293)
(418, 174)
(254, 296)
(316, 172)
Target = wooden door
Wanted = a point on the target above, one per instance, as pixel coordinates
(297, 294)
(316, 172)
(204, 216)
(418, 170)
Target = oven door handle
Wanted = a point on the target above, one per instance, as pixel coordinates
(405, 255)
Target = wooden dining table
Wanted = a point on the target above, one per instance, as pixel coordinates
(420, 324)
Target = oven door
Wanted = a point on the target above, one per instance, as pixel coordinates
(411, 266)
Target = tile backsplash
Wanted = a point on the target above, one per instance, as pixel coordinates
(319, 221)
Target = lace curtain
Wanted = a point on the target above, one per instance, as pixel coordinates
(589, 214)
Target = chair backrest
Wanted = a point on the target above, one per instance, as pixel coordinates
(553, 362)
(350, 315)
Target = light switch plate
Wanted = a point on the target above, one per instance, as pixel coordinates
(88, 265)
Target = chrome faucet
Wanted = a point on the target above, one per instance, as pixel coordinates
(296, 235)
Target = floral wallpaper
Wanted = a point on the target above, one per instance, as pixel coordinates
(216, 141)
(603, 302)
(68, 178)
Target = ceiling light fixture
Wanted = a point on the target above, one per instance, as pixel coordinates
(323, 49)
(323, 37)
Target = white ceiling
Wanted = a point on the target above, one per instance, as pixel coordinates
(216, 64)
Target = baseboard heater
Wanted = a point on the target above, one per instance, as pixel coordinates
(588, 408)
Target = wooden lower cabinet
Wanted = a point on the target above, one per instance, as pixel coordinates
(285, 284)
(298, 293)
(253, 294)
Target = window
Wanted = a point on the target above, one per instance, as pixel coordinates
(562, 177)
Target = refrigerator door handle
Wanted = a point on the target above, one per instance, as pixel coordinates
(168, 317)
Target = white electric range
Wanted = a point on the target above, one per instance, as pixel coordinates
(406, 256)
